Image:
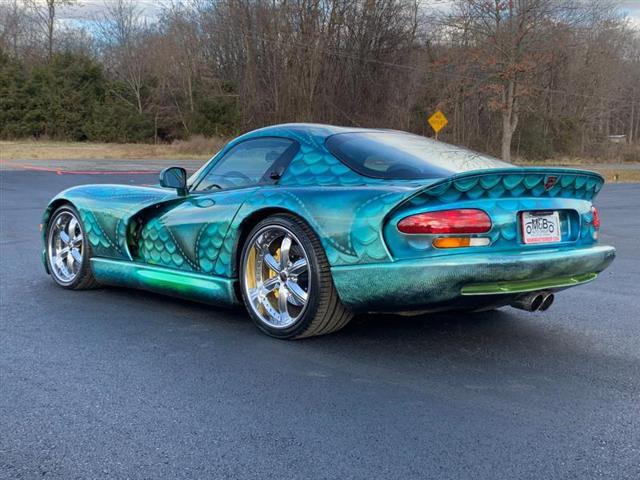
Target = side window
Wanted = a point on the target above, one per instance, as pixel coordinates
(248, 163)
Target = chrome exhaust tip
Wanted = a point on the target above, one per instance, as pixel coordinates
(547, 302)
(529, 301)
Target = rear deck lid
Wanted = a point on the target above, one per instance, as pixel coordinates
(509, 196)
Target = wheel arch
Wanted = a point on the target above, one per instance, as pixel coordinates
(250, 221)
(52, 207)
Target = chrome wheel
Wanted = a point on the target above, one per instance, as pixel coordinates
(276, 276)
(65, 247)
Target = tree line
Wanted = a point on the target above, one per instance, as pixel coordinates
(534, 78)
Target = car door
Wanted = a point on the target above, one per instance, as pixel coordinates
(189, 235)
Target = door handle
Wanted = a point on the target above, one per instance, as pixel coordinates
(203, 202)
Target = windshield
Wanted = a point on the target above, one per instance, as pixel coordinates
(196, 175)
(399, 155)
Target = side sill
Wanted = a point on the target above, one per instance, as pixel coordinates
(187, 285)
(526, 285)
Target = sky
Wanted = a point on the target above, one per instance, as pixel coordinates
(632, 9)
(85, 10)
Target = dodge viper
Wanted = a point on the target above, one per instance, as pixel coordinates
(308, 224)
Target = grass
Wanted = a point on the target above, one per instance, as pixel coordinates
(616, 172)
(613, 175)
(575, 161)
(197, 148)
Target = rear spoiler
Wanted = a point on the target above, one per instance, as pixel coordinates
(509, 183)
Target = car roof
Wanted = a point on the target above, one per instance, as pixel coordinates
(296, 130)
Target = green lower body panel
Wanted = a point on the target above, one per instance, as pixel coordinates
(459, 280)
(453, 281)
(188, 285)
(527, 285)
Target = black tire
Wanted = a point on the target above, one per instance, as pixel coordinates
(84, 279)
(324, 312)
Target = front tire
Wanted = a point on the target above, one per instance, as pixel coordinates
(286, 281)
(68, 252)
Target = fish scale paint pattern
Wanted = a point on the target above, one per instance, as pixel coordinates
(261, 200)
(355, 218)
(366, 234)
(210, 246)
(352, 237)
(502, 195)
(105, 211)
(318, 167)
(315, 165)
(101, 243)
(509, 184)
(158, 246)
(197, 226)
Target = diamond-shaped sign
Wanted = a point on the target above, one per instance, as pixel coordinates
(438, 121)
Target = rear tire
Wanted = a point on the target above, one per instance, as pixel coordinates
(286, 281)
(68, 252)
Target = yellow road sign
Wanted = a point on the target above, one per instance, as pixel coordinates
(438, 121)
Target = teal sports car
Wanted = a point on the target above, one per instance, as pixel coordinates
(308, 224)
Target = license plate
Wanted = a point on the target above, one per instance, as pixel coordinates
(540, 227)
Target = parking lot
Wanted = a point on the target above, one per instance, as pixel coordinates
(116, 383)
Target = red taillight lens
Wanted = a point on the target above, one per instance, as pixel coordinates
(464, 220)
(596, 218)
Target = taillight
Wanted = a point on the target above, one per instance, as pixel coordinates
(595, 218)
(464, 220)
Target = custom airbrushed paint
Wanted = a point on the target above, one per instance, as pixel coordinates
(189, 245)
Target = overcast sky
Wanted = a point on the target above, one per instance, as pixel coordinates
(632, 8)
(87, 9)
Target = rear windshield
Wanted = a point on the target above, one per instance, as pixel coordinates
(399, 155)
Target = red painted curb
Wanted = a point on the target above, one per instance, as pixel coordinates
(59, 171)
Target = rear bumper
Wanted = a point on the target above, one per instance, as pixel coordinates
(424, 283)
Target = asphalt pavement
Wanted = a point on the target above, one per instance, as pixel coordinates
(116, 383)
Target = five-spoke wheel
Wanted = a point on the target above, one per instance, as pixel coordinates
(277, 276)
(286, 283)
(285, 278)
(67, 250)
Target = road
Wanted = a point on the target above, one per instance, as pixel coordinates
(123, 384)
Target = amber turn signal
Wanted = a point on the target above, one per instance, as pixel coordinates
(458, 242)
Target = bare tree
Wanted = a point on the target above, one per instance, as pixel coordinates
(122, 34)
(11, 19)
(45, 15)
(505, 36)
(536, 77)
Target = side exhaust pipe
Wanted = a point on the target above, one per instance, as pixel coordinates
(529, 301)
(547, 302)
(533, 301)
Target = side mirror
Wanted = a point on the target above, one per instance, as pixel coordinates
(174, 177)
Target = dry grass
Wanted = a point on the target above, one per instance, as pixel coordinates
(619, 176)
(573, 162)
(201, 148)
(627, 172)
(198, 145)
(197, 148)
